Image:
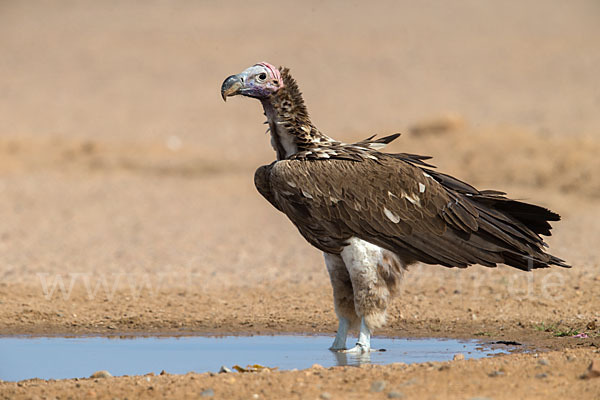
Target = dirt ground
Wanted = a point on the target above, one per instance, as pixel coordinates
(127, 203)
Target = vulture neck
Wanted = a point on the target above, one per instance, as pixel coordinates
(289, 123)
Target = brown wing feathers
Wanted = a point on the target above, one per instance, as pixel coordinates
(419, 214)
(503, 220)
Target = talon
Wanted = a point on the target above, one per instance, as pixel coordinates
(359, 348)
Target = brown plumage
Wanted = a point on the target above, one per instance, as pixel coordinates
(373, 211)
(400, 207)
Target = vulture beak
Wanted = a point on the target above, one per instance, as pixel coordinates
(231, 86)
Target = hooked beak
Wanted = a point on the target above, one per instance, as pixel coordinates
(231, 86)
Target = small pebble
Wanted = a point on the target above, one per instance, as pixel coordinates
(409, 382)
(591, 326)
(542, 375)
(458, 357)
(593, 370)
(207, 393)
(100, 374)
(325, 396)
(542, 361)
(395, 395)
(378, 386)
(494, 374)
(317, 366)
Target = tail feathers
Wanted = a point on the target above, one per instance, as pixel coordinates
(516, 226)
(534, 217)
(506, 228)
(527, 263)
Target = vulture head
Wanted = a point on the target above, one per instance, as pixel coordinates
(259, 81)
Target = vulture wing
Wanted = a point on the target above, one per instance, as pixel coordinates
(419, 214)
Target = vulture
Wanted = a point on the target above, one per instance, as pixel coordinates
(373, 213)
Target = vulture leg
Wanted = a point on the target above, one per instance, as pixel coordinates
(363, 345)
(375, 274)
(343, 298)
(339, 343)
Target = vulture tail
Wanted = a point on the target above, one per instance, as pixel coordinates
(517, 227)
(511, 225)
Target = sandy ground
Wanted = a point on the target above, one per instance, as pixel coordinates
(127, 203)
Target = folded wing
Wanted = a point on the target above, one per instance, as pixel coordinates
(394, 202)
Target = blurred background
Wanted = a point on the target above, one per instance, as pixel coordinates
(118, 154)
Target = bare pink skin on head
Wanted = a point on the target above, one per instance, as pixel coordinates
(274, 72)
(259, 81)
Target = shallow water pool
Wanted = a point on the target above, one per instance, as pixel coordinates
(60, 357)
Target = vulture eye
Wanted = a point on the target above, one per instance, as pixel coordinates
(262, 76)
